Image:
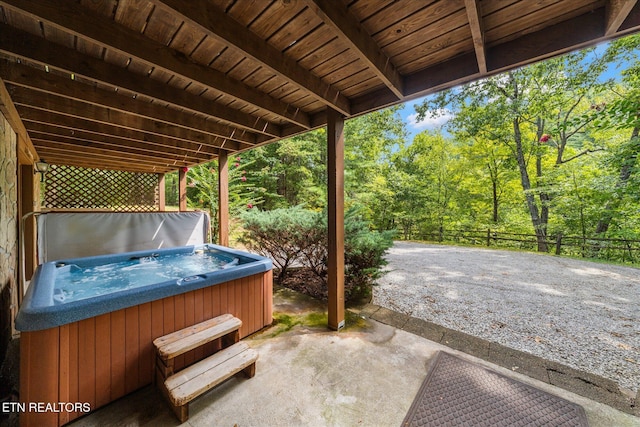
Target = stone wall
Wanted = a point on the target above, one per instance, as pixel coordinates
(8, 229)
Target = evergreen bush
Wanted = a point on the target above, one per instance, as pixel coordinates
(283, 235)
(295, 237)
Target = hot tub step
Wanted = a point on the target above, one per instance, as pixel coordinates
(180, 342)
(184, 386)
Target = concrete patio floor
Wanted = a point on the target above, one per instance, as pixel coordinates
(365, 375)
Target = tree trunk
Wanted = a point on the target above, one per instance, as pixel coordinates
(493, 174)
(495, 201)
(540, 228)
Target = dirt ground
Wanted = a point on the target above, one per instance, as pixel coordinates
(583, 314)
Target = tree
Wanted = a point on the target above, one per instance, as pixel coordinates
(489, 167)
(290, 172)
(623, 114)
(370, 141)
(202, 189)
(424, 183)
(515, 110)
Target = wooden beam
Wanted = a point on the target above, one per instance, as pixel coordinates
(632, 23)
(22, 76)
(162, 191)
(70, 107)
(182, 189)
(36, 80)
(217, 24)
(80, 138)
(104, 31)
(56, 158)
(555, 40)
(338, 17)
(27, 154)
(617, 12)
(74, 124)
(577, 32)
(117, 77)
(125, 156)
(223, 199)
(477, 32)
(335, 205)
(459, 70)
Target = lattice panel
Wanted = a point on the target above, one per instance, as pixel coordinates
(70, 187)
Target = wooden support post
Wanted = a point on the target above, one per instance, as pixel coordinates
(559, 243)
(29, 202)
(161, 193)
(223, 199)
(182, 189)
(335, 182)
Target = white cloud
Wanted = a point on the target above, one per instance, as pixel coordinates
(440, 119)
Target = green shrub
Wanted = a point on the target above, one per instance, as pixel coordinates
(281, 234)
(298, 237)
(363, 255)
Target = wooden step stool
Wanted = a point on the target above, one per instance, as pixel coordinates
(185, 385)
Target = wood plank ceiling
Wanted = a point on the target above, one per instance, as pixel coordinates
(155, 85)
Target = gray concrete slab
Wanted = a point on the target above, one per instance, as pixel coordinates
(366, 375)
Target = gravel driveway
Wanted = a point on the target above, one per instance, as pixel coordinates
(583, 314)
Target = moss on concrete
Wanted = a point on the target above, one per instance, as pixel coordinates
(316, 321)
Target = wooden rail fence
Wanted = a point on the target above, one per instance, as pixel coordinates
(610, 249)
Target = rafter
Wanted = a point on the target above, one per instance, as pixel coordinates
(553, 40)
(97, 153)
(337, 16)
(55, 157)
(74, 124)
(81, 78)
(475, 22)
(105, 32)
(617, 12)
(172, 149)
(69, 107)
(24, 76)
(462, 69)
(215, 23)
(35, 48)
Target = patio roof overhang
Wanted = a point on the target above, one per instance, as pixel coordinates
(156, 85)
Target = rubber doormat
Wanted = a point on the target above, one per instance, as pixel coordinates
(461, 393)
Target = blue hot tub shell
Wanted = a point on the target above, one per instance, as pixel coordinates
(39, 310)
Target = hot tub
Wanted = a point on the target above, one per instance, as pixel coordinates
(88, 323)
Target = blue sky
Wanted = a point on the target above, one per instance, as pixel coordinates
(409, 115)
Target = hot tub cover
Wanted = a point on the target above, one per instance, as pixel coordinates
(79, 234)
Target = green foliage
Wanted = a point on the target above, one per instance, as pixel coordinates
(285, 235)
(291, 171)
(545, 115)
(298, 237)
(171, 189)
(624, 110)
(363, 255)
